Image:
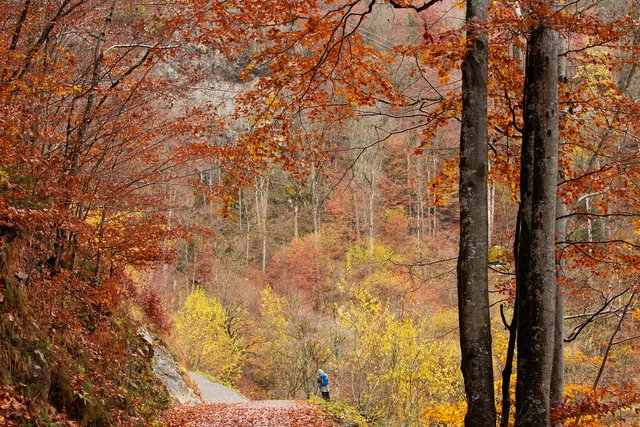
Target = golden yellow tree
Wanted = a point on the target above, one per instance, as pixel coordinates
(392, 368)
(201, 341)
(296, 345)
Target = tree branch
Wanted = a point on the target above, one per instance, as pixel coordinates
(622, 214)
(599, 242)
(613, 335)
(576, 331)
(425, 6)
(625, 340)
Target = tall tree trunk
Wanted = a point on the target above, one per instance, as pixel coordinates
(247, 237)
(295, 221)
(536, 269)
(557, 374)
(194, 267)
(512, 327)
(434, 172)
(421, 203)
(315, 205)
(427, 198)
(473, 293)
(556, 396)
(357, 215)
(371, 209)
(99, 249)
(491, 207)
(247, 240)
(262, 200)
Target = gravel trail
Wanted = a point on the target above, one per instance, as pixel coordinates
(216, 393)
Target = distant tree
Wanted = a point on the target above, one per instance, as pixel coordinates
(201, 338)
(294, 346)
(390, 367)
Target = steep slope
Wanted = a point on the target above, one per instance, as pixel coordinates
(65, 355)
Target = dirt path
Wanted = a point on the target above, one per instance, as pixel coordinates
(259, 413)
(225, 407)
(216, 393)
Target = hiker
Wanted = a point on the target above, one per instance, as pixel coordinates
(323, 384)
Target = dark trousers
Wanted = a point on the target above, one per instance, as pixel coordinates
(325, 395)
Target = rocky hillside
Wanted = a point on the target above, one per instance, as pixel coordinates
(68, 358)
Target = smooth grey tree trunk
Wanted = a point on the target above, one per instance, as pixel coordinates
(536, 270)
(371, 209)
(556, 396)
(315, 206)
(420, 203)
(473, 293)
(262, 204)
(557, 374)
(296, 233)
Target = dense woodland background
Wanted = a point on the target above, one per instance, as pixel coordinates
(273, 186)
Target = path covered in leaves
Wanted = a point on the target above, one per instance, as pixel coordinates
(259, 413)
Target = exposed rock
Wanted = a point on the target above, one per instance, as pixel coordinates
(40, 375)
(165, 368)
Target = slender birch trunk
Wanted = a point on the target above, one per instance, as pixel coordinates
(315, 206)
(262, 203)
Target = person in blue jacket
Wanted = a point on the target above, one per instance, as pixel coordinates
(323, 384)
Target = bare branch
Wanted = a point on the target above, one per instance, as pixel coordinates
(625, 340)
(599, 242)
(613, 335)
(619, 214)
(425, 6)
(576, 331)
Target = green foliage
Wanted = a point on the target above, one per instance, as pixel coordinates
(202, 341)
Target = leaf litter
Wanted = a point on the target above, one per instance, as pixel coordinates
(261, 413)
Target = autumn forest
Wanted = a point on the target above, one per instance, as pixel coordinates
(437, 202)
